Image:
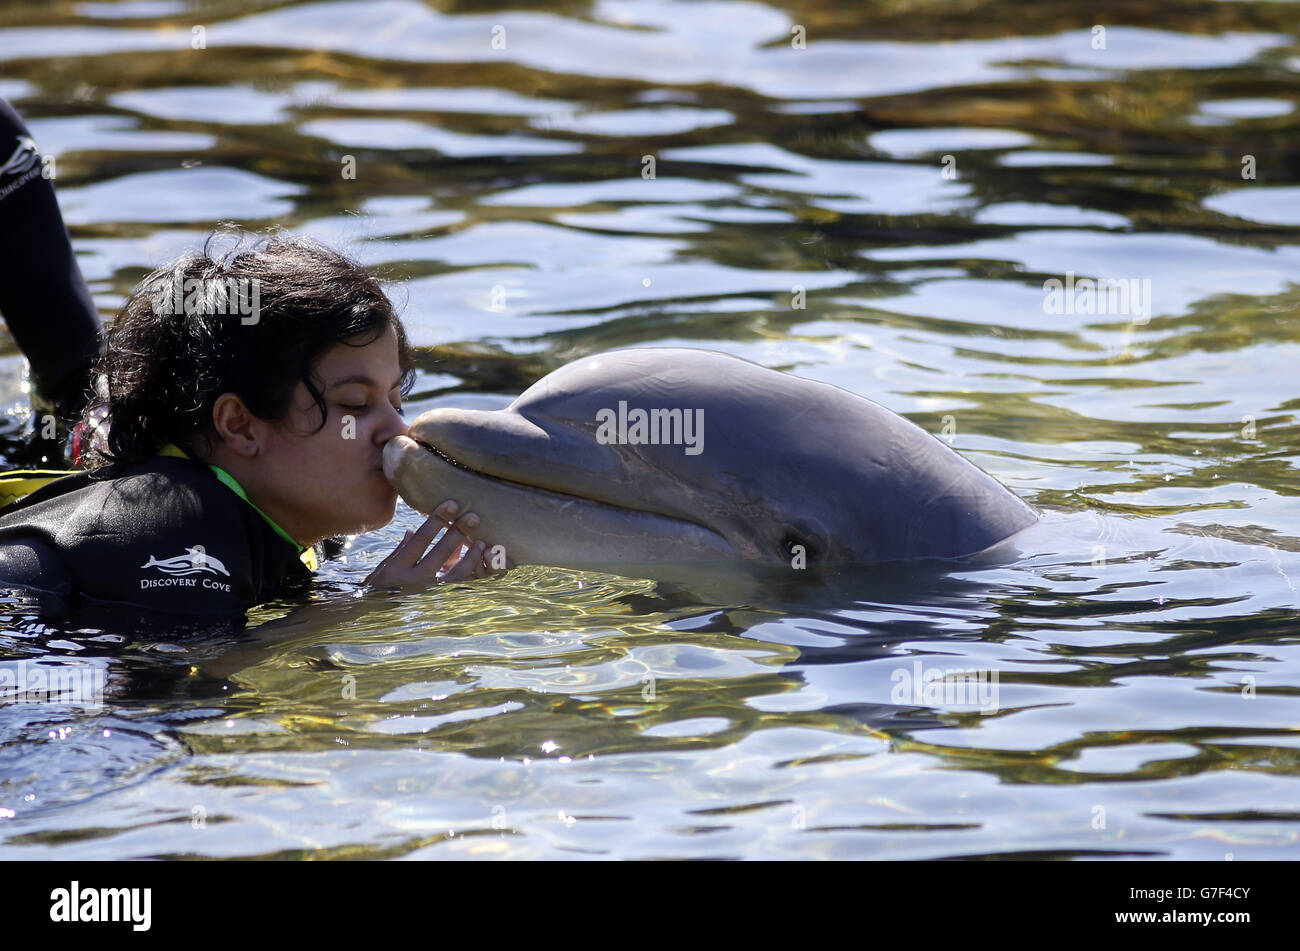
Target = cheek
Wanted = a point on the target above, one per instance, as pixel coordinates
(351, 454)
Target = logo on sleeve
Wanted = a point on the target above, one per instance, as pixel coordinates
(180, 569)
(22, 165)
(23, 157)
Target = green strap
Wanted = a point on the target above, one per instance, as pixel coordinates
(306, 553)
(229, 481)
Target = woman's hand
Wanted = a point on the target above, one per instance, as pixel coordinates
(409, 563)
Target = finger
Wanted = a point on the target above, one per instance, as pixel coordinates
(466, 542)
(414, 548)
(475, 560)
(447, 551)
(446, 510)
(464, 530)
(455, 573)
(450, 543)
(462, 570)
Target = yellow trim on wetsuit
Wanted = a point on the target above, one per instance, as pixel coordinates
(19, 483)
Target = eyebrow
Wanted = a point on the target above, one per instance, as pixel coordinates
(362, 379)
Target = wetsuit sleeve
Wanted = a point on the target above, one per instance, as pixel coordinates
(43, 296)
(34, 563)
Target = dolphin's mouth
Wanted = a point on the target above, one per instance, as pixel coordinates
(450, 460)
(470, 470)
(429, 447)
(540, 524)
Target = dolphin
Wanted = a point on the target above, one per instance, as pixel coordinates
(591, 468)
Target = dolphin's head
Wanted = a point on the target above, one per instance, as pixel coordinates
(665, 455)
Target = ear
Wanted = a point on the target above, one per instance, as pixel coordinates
(235, 426)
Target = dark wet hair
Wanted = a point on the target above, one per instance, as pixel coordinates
(165, 366)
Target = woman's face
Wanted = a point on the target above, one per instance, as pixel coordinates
(330, 481)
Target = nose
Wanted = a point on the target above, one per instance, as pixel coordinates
(391, 425)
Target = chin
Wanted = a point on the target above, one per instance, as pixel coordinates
(379, 514)
(360, 519)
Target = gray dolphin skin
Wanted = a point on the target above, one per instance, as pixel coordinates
(756, 463)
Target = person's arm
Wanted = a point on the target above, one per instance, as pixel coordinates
(43, 296)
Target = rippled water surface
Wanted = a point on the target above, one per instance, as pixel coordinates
(921, 170)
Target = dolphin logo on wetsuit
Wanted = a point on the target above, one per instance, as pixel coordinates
(194, 561)
(24, 156)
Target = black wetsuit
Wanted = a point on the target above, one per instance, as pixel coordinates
(165, 535)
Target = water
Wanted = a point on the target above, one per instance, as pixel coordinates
(1145, 639)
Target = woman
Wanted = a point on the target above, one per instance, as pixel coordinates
(249, 398)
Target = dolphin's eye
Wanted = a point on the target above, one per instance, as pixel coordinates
(795, 547)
